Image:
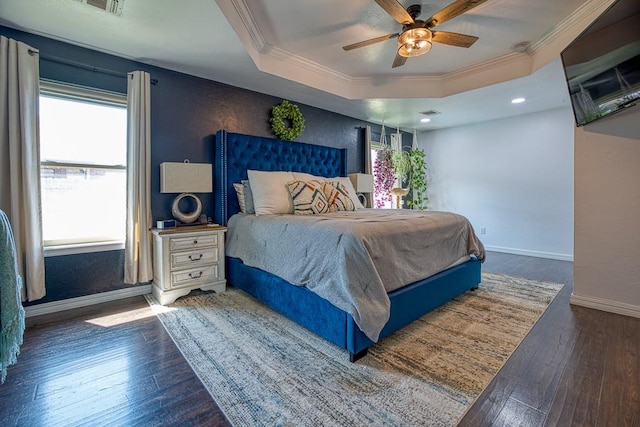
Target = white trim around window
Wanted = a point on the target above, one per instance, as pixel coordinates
(82, 248)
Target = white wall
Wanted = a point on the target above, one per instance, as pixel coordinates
(607, 220)
(512, 177)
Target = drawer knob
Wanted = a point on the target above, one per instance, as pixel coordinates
(195, 259)
(193, 276)
(195, 242)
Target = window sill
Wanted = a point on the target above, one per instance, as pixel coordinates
(82, 248)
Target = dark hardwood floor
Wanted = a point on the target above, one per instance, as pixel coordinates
(109, 364)
(577, 366)
(114, 364)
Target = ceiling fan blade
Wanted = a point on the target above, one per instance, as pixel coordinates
(453, 39)
(397, 12)
(370, 41)
(399, 61)
(456, 8)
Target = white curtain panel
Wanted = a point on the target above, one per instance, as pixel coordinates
(368, 161)
(138, 267)
(20, 160)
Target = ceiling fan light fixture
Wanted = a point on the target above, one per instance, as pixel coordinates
(414, 42)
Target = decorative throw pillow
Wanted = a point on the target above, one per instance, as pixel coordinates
(270, 192)
(344, 180)
(308, 197)
(240, 193)
(338, 197)
(248, 197)
(245, 197)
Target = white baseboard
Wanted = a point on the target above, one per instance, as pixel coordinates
(606, 305)
(537, 254)
(84, 301)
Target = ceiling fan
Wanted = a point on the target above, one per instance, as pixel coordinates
(417, 35)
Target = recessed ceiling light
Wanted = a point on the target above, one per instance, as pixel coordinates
(517, 100)
(425, 120)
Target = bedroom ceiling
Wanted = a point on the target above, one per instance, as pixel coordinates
(293, 49)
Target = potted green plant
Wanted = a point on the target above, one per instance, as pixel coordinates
(417, 179)
(411, 170)
(402, 165)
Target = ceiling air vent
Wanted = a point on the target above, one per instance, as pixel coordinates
(430, 112)
(113, 7)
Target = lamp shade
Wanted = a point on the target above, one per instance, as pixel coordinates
(414, 42)
(362, 182)
(186, 177)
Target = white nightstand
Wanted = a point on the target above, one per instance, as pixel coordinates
(187, 258)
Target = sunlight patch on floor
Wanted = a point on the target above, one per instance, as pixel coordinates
(127, 316)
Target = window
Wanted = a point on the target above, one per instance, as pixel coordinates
(83, 152)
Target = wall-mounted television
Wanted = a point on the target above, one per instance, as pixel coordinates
(602, 65)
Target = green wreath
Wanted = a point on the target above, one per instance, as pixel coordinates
(283, 115)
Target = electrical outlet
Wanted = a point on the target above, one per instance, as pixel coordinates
(483, 230)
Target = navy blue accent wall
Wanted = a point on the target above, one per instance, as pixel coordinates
(69, 276)
(186, 112)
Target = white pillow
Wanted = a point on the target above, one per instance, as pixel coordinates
(344, 180)
(306, 177)
(270, 192)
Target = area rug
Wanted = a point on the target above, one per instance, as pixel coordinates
(262, 369)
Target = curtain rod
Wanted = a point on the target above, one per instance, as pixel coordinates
(82, 66)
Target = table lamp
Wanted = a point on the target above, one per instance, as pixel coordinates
(362, 183)
(186, 178)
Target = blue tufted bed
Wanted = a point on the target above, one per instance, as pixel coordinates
(234, 155)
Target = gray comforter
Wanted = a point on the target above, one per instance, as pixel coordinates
(353, 259)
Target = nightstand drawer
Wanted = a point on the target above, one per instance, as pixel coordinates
(194, 258)
(193, 276)
(179, 243)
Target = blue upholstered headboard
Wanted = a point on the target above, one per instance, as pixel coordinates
(236, 153)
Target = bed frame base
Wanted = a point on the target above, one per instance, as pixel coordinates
(326, 320)
(354, 357)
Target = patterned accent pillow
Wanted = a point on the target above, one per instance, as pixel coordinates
(308, 197)
(338, 197)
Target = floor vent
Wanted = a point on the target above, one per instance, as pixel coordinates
(113, 7)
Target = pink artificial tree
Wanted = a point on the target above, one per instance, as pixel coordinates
(384, 177)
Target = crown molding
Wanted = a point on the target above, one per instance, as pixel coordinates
(307, 65)
(551, 44)
(250, 25)
(573, 24)
(497, 70)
